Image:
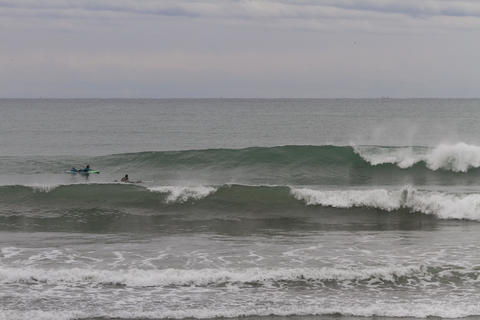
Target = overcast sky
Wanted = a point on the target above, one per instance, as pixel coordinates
(239, 48)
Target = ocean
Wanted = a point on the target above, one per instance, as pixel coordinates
(242, 208)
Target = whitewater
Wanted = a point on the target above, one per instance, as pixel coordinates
(260, 208)
(459, 157)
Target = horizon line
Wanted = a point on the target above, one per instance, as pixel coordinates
(239, 98)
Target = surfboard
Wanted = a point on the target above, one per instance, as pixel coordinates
(82, 172)
(138, 181)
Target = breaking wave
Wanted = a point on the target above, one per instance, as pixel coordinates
(236, 198)
(458, 157)
(183, 194)
(297, 165)
(440, 204)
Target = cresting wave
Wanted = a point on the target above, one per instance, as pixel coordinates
(459, 157)
(277, 198)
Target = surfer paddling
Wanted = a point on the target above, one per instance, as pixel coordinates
(85, 171)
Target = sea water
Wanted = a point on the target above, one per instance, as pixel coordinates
(302, 209)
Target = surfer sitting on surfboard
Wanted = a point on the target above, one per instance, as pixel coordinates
(127, 180)
(86, 169)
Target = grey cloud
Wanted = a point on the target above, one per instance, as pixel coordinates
(258, 8)
(301, 48)
(413, 7)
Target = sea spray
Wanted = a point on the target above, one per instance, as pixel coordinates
(182, 194)
(459, 157)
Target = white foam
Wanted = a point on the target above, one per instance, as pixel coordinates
(375, 198)
(9, 252)
(382, 309)
(402, 157)
(182, 194)
(442, 205)
(40, 315)
(459, 157)
(412, 309)
(198, 277)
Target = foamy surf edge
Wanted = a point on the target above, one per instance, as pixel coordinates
(322, 308)
(203, 277)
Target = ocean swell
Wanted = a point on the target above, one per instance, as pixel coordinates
(237, 198)
(455, 164)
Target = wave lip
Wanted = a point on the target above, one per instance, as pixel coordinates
(377, 198)
(403, 157)
(442, 205)
(459, 157)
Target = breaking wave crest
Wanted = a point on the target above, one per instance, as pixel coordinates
(288, 162)
(458, 157)
(236, 198)
(183, 194)
(442, 205)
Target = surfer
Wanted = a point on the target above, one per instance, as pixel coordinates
(74, 169)
(127, 180)
(86, 169)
